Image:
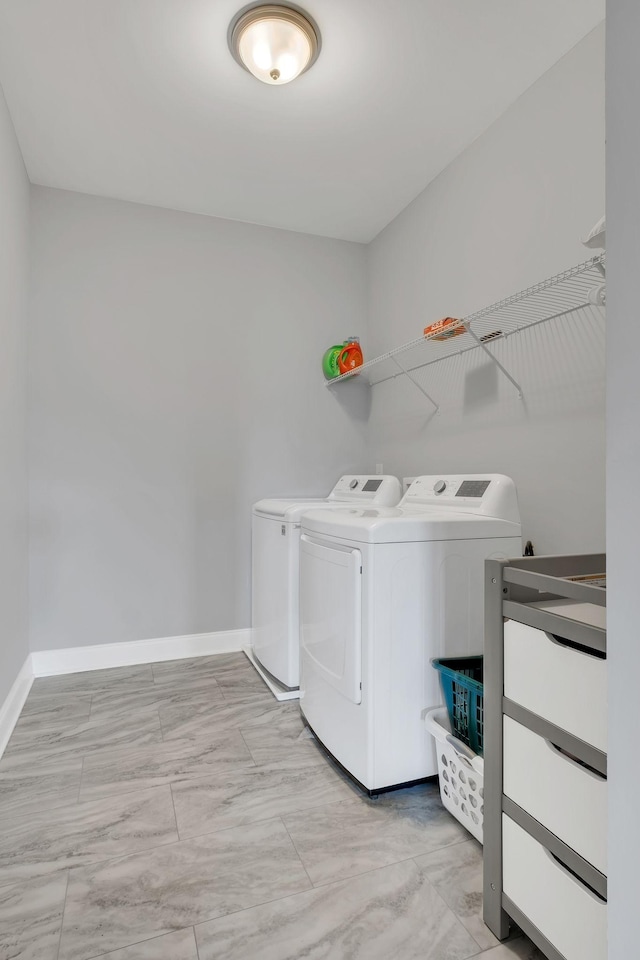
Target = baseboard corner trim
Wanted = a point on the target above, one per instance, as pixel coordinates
(11, 709)
(51, 663)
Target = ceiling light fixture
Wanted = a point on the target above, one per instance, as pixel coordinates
(274, 42)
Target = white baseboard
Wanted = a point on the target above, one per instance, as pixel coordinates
(14, 702)
(50, 663)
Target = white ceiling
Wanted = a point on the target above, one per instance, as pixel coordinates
(141, 100)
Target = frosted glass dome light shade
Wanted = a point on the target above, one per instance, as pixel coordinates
(275, 43)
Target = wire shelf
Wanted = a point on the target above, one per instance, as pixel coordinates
(576, 288)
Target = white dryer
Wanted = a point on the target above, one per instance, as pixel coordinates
(382, 592)
(275, 569)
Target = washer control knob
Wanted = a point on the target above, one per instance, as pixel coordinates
(439, 486)
(353, 485)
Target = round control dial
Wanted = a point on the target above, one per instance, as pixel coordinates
(439, 486)
(353, 485)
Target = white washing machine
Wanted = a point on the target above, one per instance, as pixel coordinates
(275, 569)
(382, 592)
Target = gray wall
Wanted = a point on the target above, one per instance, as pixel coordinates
(507, 213)
(174, 379)
(623, 468)
(14, 233)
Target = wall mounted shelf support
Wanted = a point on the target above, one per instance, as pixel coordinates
(407, 373)
(503, 370)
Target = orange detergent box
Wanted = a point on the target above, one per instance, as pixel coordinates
(444, 329)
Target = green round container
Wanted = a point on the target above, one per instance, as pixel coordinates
(330, 362)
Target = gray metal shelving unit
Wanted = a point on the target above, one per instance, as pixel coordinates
(519, 590)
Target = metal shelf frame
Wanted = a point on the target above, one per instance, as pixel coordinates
(582, 286)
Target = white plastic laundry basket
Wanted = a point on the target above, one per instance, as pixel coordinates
(461, 773)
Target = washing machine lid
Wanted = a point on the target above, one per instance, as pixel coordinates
(287, 511)
(404, 525)
(375, 490)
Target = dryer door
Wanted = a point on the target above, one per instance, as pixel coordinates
(330, 614)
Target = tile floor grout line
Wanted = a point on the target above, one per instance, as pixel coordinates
(175, 814)
(134, 788)
(247, 746)
(80, 780)
(66, 751)
(469, 839)
(136, 943)
(64, 907)
(96, 863)
(91, 863)
(260, 903)
(250, 823)
(195, 940)
(448, 906)
(183, 839)
(501, 943)
(147, 789)
(10, 815)
(293, 843)
(273, 816)
(156, 710)
(145, 850)
(335, 882)
(161, 727)
(445, 898)
(318, 885)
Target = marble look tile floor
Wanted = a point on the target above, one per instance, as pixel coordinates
(176, 811)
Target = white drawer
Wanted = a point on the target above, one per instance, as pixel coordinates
(560, 684)
(567, 913)
(567, 798)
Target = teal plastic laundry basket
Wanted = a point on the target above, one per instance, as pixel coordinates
(461, 679)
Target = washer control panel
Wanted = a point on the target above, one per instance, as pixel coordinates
(430, 489)
(382, 490)
(491, 494)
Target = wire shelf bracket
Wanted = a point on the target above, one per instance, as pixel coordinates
(582, 286)
(503, 370)
(415, 382)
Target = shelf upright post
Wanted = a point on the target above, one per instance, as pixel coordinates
(494, 914)
(436, 408)
(484, 347)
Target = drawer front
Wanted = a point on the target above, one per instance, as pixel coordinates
(560, 684)
(567, 913)
(566, 797)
